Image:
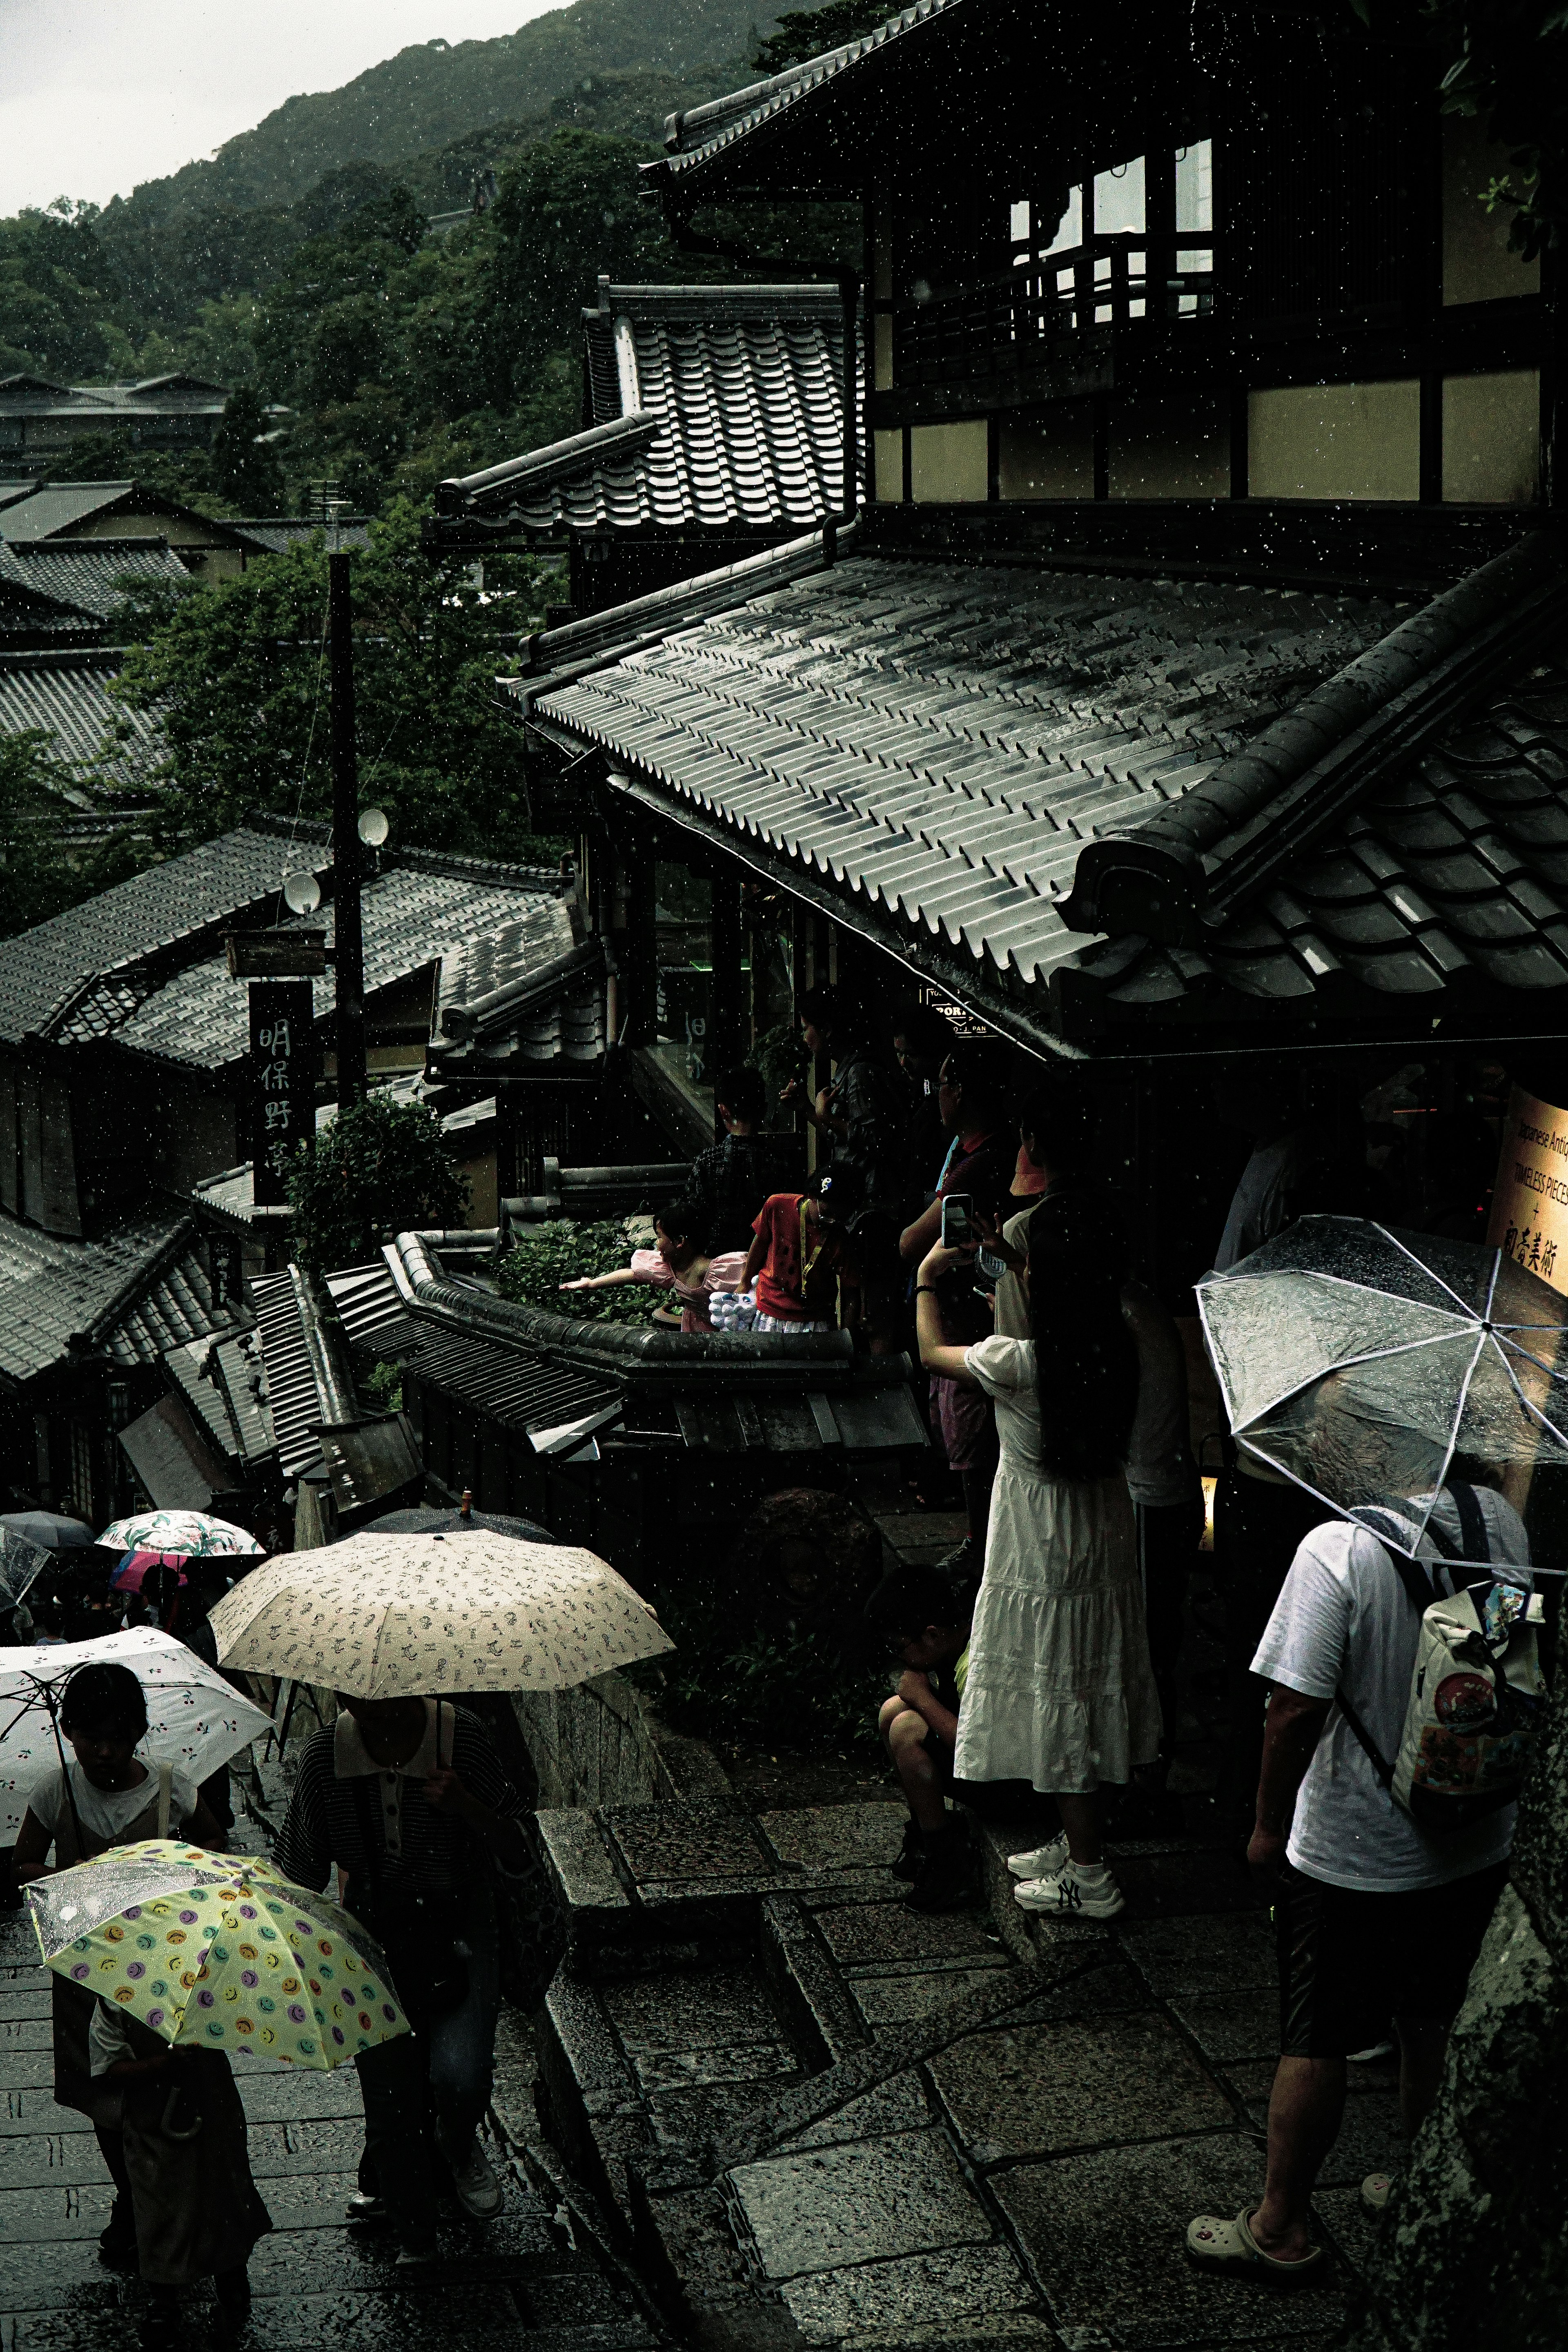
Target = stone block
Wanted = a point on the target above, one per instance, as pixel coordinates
(805, 1985)
(1372, 2137)
(1230, 2027)
(896, 2106)
(1181, 1884)
(711, 2062)
(579, 1859)
(861, 1934)
(1192, 1958)
(875, 2200)
(1105, 2234)
(1035, 2089)
(896, 1999)
(923, 2295)
(836, 1837)
(689, 1842)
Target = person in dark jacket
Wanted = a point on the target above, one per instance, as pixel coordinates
(729, 1179)
(409, 1798)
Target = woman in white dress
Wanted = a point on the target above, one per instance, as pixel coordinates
(1060, 1690)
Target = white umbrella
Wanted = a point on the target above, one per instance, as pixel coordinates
(195, 1719)
(392, 1616)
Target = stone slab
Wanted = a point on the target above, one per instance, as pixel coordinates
(1184, 1883)
(579, 1858)
(821, 2208)
(857, 1935)
(1231, 2028)
(836, 1837)
(712, 2063)
(1036, 2089)
(903, 2299)
(1192, 1958)
(34, 2033)
(896, 2105)
(685, 1842)
(897, 2000)
(71, 2158)
(1372, 2137)
(1105, 2234)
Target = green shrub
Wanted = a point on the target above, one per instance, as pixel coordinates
(383, 1388)
(790, 1687)
(539, 1261)
(382, 1167)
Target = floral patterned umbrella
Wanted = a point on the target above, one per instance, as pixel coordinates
(389, 1616)
(217, 1951)
(189, 1533)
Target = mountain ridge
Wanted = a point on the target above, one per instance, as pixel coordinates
(430, 94)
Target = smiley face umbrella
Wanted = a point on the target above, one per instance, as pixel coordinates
(218, 1952)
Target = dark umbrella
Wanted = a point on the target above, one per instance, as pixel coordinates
(426, 1522)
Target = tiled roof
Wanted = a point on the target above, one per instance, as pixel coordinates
(1448, 882)
(714, 407)
(66, 694)
(134, 1294)
(504, 1009)
(703, 131)
(89, 574)
(199, 1016)
(272, 534)
(224, 1381)
(155, 396)
(43, 969)
(939, 741)
(61, 506)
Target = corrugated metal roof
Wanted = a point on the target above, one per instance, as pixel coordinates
(59, 506)
(41, 969)
(134, 1292)
(715, 407)
(940, 740)
(701, 131)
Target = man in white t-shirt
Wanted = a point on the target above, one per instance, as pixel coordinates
(1374, 1915)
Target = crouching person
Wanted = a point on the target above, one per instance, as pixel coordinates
(186, 2159)
(924, 1617)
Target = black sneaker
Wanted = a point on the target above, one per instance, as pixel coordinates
(946, 1880)
(908, 1866)
(117, 2241)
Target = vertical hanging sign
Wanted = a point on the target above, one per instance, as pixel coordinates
(284, 1067)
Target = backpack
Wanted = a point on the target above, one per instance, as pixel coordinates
(1475, 1690)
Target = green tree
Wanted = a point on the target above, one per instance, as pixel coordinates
(570, 209)
(238, 677)
(811, 32)
(242, 464)
(380, 1168)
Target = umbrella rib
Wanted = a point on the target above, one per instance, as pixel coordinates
(1551, 1371)
(1339, 1281)
(1433, 1275)
(1545, 1422)
(1348, 1363)
(1452, 1446)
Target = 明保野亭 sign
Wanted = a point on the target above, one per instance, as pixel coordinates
(1529, 1201)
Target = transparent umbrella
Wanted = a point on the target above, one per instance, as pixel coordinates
(1369, 1364)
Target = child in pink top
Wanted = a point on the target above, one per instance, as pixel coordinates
(677, 1262)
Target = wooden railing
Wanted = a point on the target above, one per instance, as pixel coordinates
(1029, 318)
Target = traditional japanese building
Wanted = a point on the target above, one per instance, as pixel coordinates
(39, 420)
(1191, 685)
(714, 426)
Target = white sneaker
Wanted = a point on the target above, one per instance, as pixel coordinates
(1072, 1893)
(1044, 1862)
(475, 2184)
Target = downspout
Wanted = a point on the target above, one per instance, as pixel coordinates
(689, 240)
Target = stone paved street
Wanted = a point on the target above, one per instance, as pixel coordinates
(317, 2282)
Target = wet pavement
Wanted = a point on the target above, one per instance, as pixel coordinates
(317, 2281)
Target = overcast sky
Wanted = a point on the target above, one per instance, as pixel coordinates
(96, 95)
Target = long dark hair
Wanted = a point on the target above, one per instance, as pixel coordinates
(1086, 1359)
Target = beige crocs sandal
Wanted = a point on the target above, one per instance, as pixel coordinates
(1375, 2191)
(1231, 2246)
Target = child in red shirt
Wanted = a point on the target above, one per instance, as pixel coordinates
(801, 1255)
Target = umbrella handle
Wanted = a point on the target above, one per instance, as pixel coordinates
(168, 2127)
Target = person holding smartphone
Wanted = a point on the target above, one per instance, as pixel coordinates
(973, 1181)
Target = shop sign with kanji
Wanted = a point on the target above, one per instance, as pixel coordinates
(285, 1066)
(1530, 1203)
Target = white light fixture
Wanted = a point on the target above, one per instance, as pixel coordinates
(374, 827)
(301, 893)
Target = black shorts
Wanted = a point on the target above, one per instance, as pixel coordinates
(1350, 1960)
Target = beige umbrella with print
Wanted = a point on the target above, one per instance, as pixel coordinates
(394, 1616)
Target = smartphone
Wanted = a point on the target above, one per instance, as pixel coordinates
(957, 1221)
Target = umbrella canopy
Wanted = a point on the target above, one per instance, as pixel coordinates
(46, 1531)
(425, 1521)
(195, 1719)
(132, 1572)
(1366, 1363)
(383, 1616)
(218, 1952)
(189, 1533)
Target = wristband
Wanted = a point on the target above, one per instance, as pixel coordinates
(927, 1290)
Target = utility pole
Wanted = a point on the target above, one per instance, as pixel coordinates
(348, 865)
